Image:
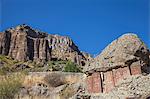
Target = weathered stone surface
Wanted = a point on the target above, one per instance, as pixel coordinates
(108, 81)
(24, 43)
(63, 48)
(97, 83)
(19, 42)
(135, 68)
(121, 52)
(134, 86)
(124, 57)
(89, 82)
(120, 73)
(94, 83)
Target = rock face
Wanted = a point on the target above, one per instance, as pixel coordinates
(63, 48)
(24, 43)
(121, 52)
(124, 57)
(134, 87)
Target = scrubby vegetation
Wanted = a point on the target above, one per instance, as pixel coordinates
(8, 65)
(72, 67)
(10, 85)
(55, 80)
(67, 92)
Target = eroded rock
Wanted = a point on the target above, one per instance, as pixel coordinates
(121, 52)
(24, 43)
(124, 57)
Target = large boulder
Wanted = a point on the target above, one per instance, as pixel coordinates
(123, 51)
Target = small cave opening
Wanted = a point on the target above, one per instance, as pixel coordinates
(82, 63)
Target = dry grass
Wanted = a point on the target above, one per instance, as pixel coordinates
(67, 92)
(55, 80)
(10, 85)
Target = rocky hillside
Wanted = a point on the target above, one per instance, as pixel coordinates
(23, 43)
(39, 65)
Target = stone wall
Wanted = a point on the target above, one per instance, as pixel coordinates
(104, 82)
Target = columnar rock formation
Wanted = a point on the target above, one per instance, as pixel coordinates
(24, 43)
(125, 56)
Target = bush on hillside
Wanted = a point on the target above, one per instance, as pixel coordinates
(71, 67)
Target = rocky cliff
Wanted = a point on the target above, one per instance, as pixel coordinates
(121, 71)
(124, 51)
(24, 43)
(124, 57)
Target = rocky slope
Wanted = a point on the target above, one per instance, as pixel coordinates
(24, 43)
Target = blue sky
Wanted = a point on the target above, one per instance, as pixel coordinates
(92, 24)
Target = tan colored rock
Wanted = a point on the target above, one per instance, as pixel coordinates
(20, 43)
(24, 43)
(124, 57)
(121, 52)
(63, 48)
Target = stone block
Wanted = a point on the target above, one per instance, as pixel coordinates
(120, 74)
(89, 83)
(96, 83)
(108, 81)
(135, 68)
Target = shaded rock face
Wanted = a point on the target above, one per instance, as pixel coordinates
(24, 43)
(124, 57)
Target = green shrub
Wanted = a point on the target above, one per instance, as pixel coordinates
(71, 67)
(9, 86)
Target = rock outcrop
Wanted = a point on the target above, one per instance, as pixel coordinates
(121, 52)
(24, 43)
(63, 48)
(133, 87)
(124, 57)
